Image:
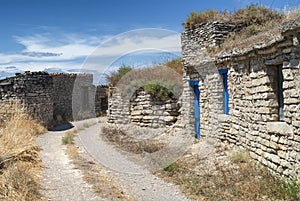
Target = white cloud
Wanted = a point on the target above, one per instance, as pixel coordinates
(69, 51)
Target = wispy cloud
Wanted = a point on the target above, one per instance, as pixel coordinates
(76, 51)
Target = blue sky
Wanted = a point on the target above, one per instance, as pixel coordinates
(67, 34)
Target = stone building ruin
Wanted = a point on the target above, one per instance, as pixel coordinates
(249, 96)
(55, 98)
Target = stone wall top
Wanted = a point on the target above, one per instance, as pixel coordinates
(290, 25)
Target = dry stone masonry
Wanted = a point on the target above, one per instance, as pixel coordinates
(53, 98)
(142, 110)
(263, 87)
(32, 89)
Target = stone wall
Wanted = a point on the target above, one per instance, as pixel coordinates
(253, 121)
(101, 100)
(53, 98)
(142, 110)
(194, 42)
(62, 96)
(73, 96)
(146, 112)
(31, 89)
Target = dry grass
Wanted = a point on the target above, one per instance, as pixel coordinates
(252, 14)
(176, 65)
(206, 16)
(232, 178)
(130, 144)
(20, 163)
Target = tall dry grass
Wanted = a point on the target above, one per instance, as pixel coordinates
(20, 164)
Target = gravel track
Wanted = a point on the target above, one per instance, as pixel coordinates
(61, 181)
(135, 179)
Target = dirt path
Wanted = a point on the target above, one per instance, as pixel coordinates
(135, 179)
(61, 181)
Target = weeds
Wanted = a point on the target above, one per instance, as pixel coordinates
(68, 138)
(137, 78)
(240, 157)
(96, 176)
(255, 25)
(235, 177)
(116, 76)
(160, 91)
(176, 65)
(19, 175)
(172, 167)
(251, 15)
(131, 144)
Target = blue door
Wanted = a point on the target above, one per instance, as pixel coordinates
(195, 86)
(224, 73)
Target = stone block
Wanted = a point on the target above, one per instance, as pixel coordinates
(280, 128)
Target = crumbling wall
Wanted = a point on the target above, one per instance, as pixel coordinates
(32, 89)
(62, 96)
(73, 96)
(146, 112)
(101, 100)
(52, 98)
(142, 109)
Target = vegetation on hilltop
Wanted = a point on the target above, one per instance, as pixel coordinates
(114, 77)
(163, 82)
(176, 65)
(255, 25)
(251, 15)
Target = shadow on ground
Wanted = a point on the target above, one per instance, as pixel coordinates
(62, 127)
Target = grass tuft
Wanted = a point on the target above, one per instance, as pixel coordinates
(172, 167)
(68, 138)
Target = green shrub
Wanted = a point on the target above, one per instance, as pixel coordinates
(161, 91)
(114, 77)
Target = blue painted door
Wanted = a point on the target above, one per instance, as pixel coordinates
(224, 73)
(195, 86)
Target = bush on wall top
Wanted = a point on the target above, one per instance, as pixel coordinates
(252, 14)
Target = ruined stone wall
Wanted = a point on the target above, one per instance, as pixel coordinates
(62, 96)
(253, 121)
(101, 100)
(52, 98)
(146, 112)
(195, 41)
(142, 110)
(32, 89)
(73, 96)
(118, 108)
